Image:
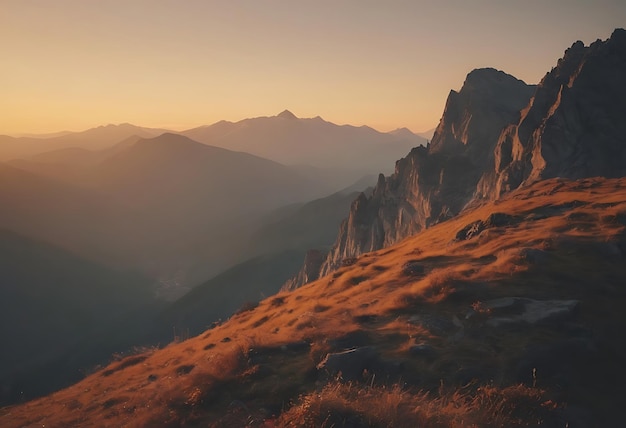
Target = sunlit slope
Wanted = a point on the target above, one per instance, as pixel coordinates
(527, 289)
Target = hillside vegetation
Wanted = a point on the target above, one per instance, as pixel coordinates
(503, 316)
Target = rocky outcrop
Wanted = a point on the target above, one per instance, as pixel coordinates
(497, 134)
(434, 183)
(310, 270)
(574, 125)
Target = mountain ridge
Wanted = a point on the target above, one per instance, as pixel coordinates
(477, 153)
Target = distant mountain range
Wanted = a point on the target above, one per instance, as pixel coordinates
(316, 142)
(333, 154)
(91, 139)
(161, 205)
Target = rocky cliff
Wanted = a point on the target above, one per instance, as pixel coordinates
(574, 125)
(497, 134)
(434, 183)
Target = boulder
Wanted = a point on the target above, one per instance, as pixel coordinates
(350, 364)
(520, 310)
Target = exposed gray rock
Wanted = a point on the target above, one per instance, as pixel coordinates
(497, 134)
(516, 310)
(476, 228)
(573, 126)
(309, 272)
(351, 363)
(433, 184)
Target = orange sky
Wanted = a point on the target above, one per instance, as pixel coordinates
(178, 64)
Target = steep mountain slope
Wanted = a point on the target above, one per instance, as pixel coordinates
(93, 139)
(315, 142)
(51, 302)
(573, 126)
(526, 289)
(492, 138)
(434, 183)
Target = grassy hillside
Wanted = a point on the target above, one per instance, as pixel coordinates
(507, 315)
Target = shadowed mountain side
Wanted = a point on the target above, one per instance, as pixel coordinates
(177, 209)
(192, 201)
(50, 302)
(83, 221)
(71, 164)
(311, 225)
(278, 247)
(240, 286)
(92, 139)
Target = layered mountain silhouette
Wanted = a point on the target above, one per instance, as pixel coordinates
(91, 139)
(161, 205)
(348, 152)
(497, 134)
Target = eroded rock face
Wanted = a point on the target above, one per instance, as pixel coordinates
(518, 310)
(310, 270)
(497, 134)
(351, 363)
(434, 183)
(574, 125)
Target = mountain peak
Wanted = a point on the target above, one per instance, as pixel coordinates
(286, 114)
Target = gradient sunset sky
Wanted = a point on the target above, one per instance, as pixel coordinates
(72, 65)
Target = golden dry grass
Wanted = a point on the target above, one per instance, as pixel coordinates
(197, 380)
(341, 405)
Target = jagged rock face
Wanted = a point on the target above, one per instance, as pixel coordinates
(574, 125)
(310, 270)
(434, 183)
(497, 134)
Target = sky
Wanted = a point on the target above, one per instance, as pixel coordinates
(76, 64)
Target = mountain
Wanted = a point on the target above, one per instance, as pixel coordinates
(54, 307)
(93, 139)
(573, 126)
(497, 299)
(194, 204)
(497, 134)
(515, 324)
(67, 216)
(275, 251)
(427, 134)
(295, 141)
(173, 208)
(313, 224)
(240, 286)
